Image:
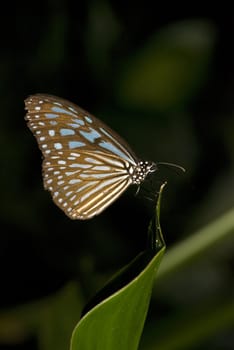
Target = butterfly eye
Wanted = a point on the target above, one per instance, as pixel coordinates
(86, 165)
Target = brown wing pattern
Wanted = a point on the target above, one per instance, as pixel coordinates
(86, 165)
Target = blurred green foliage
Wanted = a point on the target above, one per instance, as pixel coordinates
(168, 70)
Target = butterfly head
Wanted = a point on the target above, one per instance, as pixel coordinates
(142, 169)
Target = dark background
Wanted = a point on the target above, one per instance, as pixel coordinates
(163, 79)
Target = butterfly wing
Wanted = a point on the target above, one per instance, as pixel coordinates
(86, 165)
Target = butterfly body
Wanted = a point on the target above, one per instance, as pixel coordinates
(86, 165)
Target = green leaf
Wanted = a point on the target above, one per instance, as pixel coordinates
(117, 321)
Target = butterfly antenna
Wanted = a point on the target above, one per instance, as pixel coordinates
(172, 165)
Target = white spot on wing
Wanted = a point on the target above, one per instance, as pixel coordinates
(75, 165)
(74, 181)
(51, 132)
(102, 168)
(60, 182)
(72, 109)
(88, 119)
(58, 145)
(53, 122)
(92, 160)
(68, 193)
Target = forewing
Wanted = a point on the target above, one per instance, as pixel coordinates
(86, 164)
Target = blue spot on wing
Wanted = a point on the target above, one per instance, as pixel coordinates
(61, 110)
(51, 115)
(73, 125)
(75, 144)
(113, 149)
(66, 132)
(78, 121)
(91, 136)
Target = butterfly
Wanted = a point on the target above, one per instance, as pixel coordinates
(86, 165)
